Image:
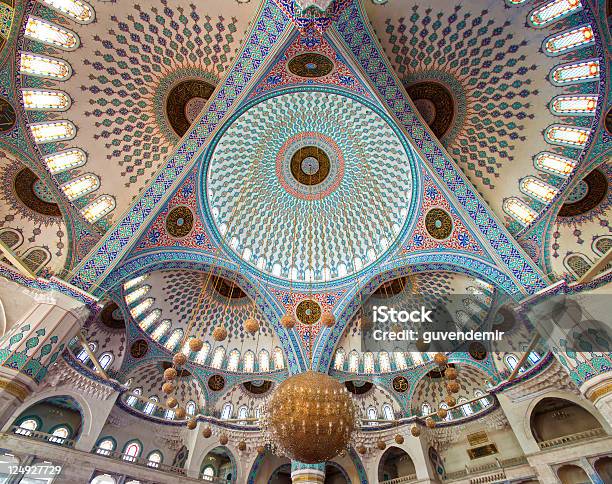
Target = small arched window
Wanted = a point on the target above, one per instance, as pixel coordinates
(174, 340)
(27, 427)
(169, 414)
(601, 245)
(577, 264)
(388, 412)
(36, 258)
(466, 408)
(372, 415)
(218, 357)
(103, 479)
(11, 238)
(97, 209)
(208, 473)
(279, 359)
(105, 446)
(484, 401)
(200, 358)
(60, 435)
(368, 362)
(151, 405)
(226, 413)
(264, 361)
(132, 399)
(425, 409)
(149, 319)
(233, 360)
(384, 363)
(80, 186)
(154, 458)
(105, 360)
(400, 360)
(353, 362)
(248, 362)
(339, 359)
(83, 355)
(190, 408)
(141, 307)
(534, 357)
(448, 417)
(243, 413)
(132, 451)
(511, 361)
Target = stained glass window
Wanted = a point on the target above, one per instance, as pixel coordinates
(51, 34)
(226, 413)
(537, 189)
(339, 360)
(154, 459)
(45, 100)
(98, 208)
(174, 340)
(279, 359)
(368, 362)
(149, 319)
(575, 72)
(81, 186)
(218, 357)
(519, 210)
(43, 66)
(578, 105)
(553, 11)
(353, 362)
(248, 362)
(568, 40)
(264, 361)
(567, 135)
(141, 307)
(554, 164)
(77, 10)
(137, 294)
(161, 330)
(384, 363)
(233, 360)
(202, 354)
(65, 160)
(400, 360)
(133, 282)
(132, 451)
(105, 446)
(51, 131)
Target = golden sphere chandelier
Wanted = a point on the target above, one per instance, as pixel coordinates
(310, 417)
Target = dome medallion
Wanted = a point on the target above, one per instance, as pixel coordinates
(296, 176)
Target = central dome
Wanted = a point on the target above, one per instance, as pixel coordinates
(309, 186)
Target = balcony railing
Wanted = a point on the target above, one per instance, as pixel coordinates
(497, 466)
(42, 436)
(401, 480)
(111, 454)
(572, 438)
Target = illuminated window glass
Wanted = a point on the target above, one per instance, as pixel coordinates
(353, 365)
(132, 451)
(567, 135)
(388, 412)
(484, 401)
(448, 417)
(400, 360)
(264, 361)
(425, 409)
(575, 72)
(132, 399)
(149, 319)
(372, 415)
(554, 164)
(44, 100)
(226, 413)
(534, 357)
(248, 362)
(537, 189)
(218, 356)
(243, 413)
(77, 10)
(169, 414)
(81, 186)
(141, 307)
(133, 282)
(51, 131)
(552, 11)
(42, 66)
(105, 446)
(339, 360)
(27, 427)
(578, 264)
(200, 358)
(105, 360)
(601, 245)
(174, 340)
(568, 40)
(577, 105)
(154, 459)
(65, 160)
(512, 362)
(466, 408)
(137, 294)
(279, 359)
(384, 362)
(186, 350)
(51, 34)
(190, 408)
(97, 209)
(368, 362)
(519, 210)
(516, 2)
(151, 405)
(233, 361)
(161, 330)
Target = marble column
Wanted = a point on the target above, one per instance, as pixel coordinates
(307, 473)
(575, 328)
(35, 343)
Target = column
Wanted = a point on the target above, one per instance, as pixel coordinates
(307, 473)
(574, 327)
(34, 343)
(591, 472)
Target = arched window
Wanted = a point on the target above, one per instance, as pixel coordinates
(83, 355)
(243, 413)
(534, 357)
(567, 135)
(400, 360)
(43, 66)
(218, 357)
(353, 362)
(200, 358)
(417, 358)
(149, 319)
(264, 361)
(134, 282)
(105, 446)
(78, 10)
(28, 427)
(169, 415)
(51, 34)
(45, 100)
(132, 399)
(190, 408)
(601, 245)
(233, 360)
(226, 413)
(132, 451)
(466, 408)
(151, 405)
(577, 264)
(36, 258)
(185, 349)
(50, 131)
(583, 71)
(368, 362)
(248, 362)
(141, 307)
(388, 411)
(103, 479)
(537, 189)
(568, 40)
(519, 210)
(208, 473)
(384, 363)
(174, 340)
(136, 294)
(448, 417)
(105, 360)
(339, 359)
(11, 238)
(80, 186)
(511, 361)
(154, 458)
(484, 401)
(425, 409)
(372, 415)
(279, 359)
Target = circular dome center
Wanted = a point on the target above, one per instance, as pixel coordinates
(185, 101)
(298, 196)
(435, 103)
